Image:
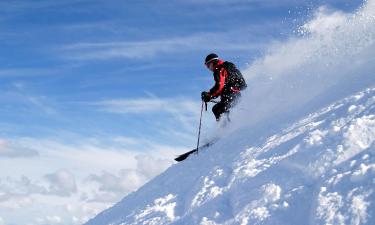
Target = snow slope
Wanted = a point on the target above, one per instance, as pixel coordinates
(320, 170)
(272, 167)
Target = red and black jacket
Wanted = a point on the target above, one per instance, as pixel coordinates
(228, 80)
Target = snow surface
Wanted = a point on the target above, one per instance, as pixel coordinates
(320, 170)
(301, 145)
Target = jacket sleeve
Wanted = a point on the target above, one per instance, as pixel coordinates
(219, 77)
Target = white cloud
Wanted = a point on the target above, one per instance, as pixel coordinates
(16, 202)
(12, 150)
(15, 194)
(116, 185)
(54, 219)
(95, 154)
(50, 220)
(61, 183)
(112, 187)
(150, 166)
(2, 222)
(91, 157)
(79, 157)
(86, 210)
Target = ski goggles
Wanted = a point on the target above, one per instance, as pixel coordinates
(209, 61)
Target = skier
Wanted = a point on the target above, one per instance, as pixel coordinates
(229, 83)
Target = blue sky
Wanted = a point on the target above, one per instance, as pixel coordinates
(60, 59)
(116, 81)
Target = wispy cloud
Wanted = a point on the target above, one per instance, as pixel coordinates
(150, 48)
(40, 103)
(22, 5)
(226, 2)
(183, 111)
(133, 105)
(26, 72)
(10, 149)
(146, 105)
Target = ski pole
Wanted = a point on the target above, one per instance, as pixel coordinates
(200, 126)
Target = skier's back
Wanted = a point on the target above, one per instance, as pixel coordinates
(229, 83)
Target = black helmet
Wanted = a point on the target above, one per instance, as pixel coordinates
(210, 58)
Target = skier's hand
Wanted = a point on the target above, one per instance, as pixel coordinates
(206, 97)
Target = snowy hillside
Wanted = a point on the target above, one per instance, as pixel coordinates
(271, 166)
(320, 170)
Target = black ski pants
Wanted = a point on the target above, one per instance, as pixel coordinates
(227, 101)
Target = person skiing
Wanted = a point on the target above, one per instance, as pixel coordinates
(229, 83)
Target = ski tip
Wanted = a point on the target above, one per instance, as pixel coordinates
(181, 157)
(184, 156)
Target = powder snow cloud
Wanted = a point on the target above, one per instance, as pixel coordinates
(294, 73)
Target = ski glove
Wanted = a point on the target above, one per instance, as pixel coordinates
(206, 97)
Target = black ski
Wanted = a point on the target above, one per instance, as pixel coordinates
(185, 155)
